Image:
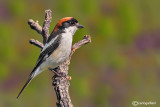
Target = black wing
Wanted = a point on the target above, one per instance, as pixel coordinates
(45, 54)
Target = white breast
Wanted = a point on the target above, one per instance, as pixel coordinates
(63, 50)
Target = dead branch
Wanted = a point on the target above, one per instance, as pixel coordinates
(46, 25)
(36, 43)
(35, 25)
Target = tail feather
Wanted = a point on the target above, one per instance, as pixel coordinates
(33, 74)
(28, 81)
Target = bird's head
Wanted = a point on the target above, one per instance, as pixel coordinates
(68, 24)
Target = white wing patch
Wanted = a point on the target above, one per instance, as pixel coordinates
(48, 44)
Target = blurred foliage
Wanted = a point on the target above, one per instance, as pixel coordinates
(121, 64)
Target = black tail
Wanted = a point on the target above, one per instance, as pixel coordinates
(28, 81)
(31, 76)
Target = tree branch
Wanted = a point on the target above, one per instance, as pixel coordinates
(36, 43)
(61, 83)
(61, 87)
(86, 39)
(46, 25)
(35, 25)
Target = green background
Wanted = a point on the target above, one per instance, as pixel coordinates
(121, 65)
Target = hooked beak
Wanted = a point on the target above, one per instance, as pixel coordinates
(80, 26)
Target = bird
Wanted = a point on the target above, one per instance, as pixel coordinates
(57, 48)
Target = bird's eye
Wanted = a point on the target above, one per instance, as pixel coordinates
(72, 22)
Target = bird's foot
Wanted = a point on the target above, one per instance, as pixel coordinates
(57, 72)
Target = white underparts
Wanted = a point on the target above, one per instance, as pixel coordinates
(61, 53)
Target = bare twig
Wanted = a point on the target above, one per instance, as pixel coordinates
(34, 25)
(60, 83)
(46, 25)
(85, 40)
(36, 43)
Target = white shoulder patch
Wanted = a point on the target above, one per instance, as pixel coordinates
(48, 44)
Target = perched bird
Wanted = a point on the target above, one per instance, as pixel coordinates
(57, 49)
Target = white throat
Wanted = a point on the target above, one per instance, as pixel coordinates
(71, 29)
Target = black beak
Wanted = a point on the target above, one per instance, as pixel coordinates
(79, 26)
